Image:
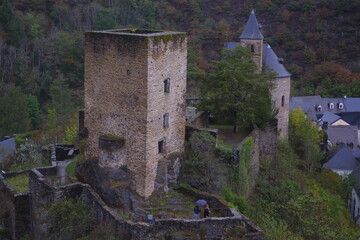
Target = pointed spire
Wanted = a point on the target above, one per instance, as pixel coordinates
(252, 28)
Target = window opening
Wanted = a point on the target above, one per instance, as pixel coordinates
(166, 120)
(283, 101)
(161, 146)
(167, 85)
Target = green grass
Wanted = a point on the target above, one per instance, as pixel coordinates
(70, 170)
(20, 183)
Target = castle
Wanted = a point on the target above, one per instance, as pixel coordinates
(135, 84)
(266, 59)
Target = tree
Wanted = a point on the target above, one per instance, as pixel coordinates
(34, 110)
(60, 99)
(237, 92)
(14, 113)
(305, 139)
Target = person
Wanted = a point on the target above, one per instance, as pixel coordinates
(196, 212)
(206, 211)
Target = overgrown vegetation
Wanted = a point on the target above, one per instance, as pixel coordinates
(70, 219)
(20, 183)
(293, 200)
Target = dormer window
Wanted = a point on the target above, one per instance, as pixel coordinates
(318, 108)
(167, 85)
(331, 105)
(340, 106)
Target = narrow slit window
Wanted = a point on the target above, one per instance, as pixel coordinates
(167, 85)
(283, 101)
(166, 120)
(252, 48)
(161, 146)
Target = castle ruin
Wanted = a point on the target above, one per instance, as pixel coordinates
(135, 84)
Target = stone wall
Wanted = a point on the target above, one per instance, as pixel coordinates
(125, 98)
(280, 94)
(257, 50)
(16, 206)
(234, 226)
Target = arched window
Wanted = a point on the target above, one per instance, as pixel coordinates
(283, 101)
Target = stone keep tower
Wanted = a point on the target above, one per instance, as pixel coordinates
(265, 57)
(135, 83)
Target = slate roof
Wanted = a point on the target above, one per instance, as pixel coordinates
(329, 117)
(308, 105)
(7, 147)
(273, 62)
(343, 135)
(352, 104)
(342, 160)
(353, 118)
(252, 28)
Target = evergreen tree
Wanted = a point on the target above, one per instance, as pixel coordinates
(34, 110)
(14, 113)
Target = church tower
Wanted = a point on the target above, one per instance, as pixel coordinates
(252, 38)
(265, 57)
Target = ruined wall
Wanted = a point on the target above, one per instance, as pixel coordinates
(257, 50)
(234, 226)
(167, 60)
(125, 100)
(280, 94)
(16, 206)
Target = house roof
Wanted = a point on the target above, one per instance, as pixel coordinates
(330, 117)
(7, 147)
(353, 118)
(352, 104)
(273, 62)
(252, 28)
(342, 160)
(310, 104)
(343, 135)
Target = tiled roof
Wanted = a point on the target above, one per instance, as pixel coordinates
(352, 104)
(342, 160)
(353, 118)
(329, 117)
(343, 135)
(310, 105)
(252, 28)
(273, 62)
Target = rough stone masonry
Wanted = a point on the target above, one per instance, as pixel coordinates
(135, 84)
